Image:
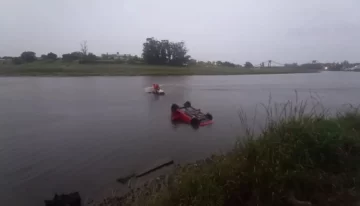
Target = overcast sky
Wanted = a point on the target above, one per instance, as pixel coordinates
(232, 30)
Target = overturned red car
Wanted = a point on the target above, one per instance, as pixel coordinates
(190, 115)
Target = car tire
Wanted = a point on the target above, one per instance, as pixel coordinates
(187, 104)
(208, 116)
(195, 122)
(174, 107)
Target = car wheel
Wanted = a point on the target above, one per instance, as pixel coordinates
(208, 116)
(195, 122)
(174, 107)
(187, 104)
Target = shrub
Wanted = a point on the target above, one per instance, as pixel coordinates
(17, 60)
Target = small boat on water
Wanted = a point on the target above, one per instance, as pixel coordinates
(155, 89)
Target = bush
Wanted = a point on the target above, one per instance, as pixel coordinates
(312, 66)
(72, 56)
(17, 60)
(43, 57)
(85, 61)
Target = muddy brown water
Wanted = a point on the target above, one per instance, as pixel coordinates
(65, 134)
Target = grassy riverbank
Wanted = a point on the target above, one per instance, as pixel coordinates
(299, 160)
(59, 68)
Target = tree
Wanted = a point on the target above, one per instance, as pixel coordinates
(334, 66)
(151, 51)
(345, 64)
(248, 65)
(228, 64)
(293, 65)
(104, 56)
(51, 56)
(165, 52)
(312, 66)
(192, 62)
(84, 48)
(72, 56)
(66, 57)
(179, 55)
(91, 57)
(43, 56)
(28, 56)
(8, 58)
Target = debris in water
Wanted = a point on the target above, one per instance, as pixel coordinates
(157, 165)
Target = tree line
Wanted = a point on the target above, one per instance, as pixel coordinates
(155, 52)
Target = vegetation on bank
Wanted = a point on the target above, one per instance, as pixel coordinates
(59, 68)
(159, 57)
(298, 159)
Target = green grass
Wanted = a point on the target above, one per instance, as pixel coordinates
(298, 159)
(60, 68)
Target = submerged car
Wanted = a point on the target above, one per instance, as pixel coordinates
(190, 115)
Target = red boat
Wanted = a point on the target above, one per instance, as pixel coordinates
(190, 115)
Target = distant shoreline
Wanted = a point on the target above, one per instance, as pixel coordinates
(138, 75)
(74, 69)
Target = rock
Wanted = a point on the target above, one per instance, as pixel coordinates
(72, 199)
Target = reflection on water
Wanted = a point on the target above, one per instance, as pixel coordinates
(81, 133)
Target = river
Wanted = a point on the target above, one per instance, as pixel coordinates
(64, 134)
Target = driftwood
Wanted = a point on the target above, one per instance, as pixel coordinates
(124, 179)
(149, 169)
(157, 165)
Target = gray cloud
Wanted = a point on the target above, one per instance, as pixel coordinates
(233, 30)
